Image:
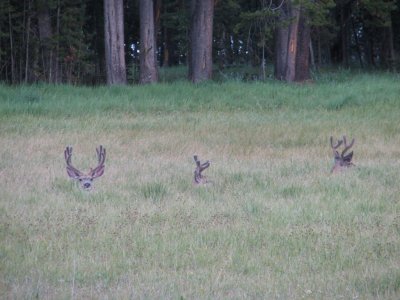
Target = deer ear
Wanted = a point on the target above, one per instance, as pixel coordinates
(73, 173)
(348, 157)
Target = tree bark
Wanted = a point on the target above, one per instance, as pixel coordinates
(344, 36)
(114, 42)
(281, 44)
(11, 46)
(319, 48)
(303, 50)
(46, 40)
(28, 30)
(292, 45)
(201, 33)
(292, 52)
(165, 48)
(157, 21)
(312, 56)
(58, 74)
(387, 48)
(148, 61)
(358, 46)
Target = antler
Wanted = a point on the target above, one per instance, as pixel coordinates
(101, 156)
(334, 147)
(196, 160)
(342, 161)
(198, 178)
(347, 147)
(203, 166)
(71, 170)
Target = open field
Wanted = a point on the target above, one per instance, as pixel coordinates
(275, 224)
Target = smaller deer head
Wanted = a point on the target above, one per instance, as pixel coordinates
(199, 179)
(86, 180)
(341, 161)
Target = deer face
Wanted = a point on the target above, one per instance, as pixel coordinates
(342, 161)
(85, 180)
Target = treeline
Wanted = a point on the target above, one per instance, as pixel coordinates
(121, 41)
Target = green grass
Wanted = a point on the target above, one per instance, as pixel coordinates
(274, 224)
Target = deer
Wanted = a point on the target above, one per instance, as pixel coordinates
(342, 161)
(85, 179)
(200, 179)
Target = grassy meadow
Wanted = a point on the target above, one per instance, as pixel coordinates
(275, 224)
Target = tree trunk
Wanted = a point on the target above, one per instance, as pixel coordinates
(370, 50)
(319, 49)
(292, 52)
(387, 48)
(11, 47)
(165, 52)
(201, 32)
(114, 42)
(358, 46)
(28, 30)
(58, 76)
(392, 55)
(281, 44)
(148, 62)
(292, 45)
(344, 36)
(312, 56)
(46, 40)
(303, 49)
(157, 22)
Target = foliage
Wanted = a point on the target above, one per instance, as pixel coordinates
(175, 23)
(378, 13)
(349, 33)
(319, 12)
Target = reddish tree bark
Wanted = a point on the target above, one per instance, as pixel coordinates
(292, 51)
(302, 70)
(290, 73)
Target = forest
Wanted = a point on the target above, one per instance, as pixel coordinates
(93, 42)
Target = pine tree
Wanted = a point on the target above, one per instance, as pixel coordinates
(114, 41)
(201, 33)
(148, 47)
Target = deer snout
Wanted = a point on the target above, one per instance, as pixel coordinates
(87, 185)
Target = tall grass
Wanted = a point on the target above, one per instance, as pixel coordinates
(275, 223)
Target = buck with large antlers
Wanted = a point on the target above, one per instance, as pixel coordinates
(200, 179)
(86, 180)
(342, 161)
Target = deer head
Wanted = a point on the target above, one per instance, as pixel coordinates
(199, 179)
(341, 161)
(86, 180)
